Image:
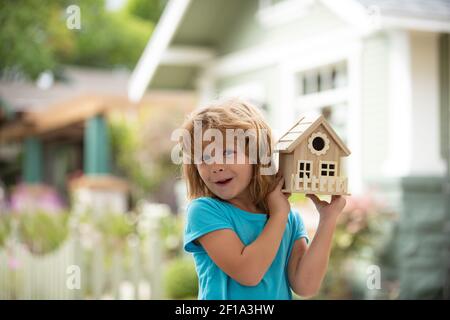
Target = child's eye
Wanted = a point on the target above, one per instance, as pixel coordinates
(206, 157)
(228, 152)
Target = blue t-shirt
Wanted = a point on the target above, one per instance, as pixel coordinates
(207, 214)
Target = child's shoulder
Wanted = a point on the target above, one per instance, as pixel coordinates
(206, 210)
(204, 203)
(205, 200)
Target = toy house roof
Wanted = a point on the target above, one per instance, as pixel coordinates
(302, 129)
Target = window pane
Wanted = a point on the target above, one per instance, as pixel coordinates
(311, 83)
(302, 87)
(326, 82)
(324, 173)
(340, 76)
(324, 78)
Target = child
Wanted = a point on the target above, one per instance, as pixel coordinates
(246, 241)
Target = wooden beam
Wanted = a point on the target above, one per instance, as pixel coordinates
(62, 115)
(73, 111)
(14, 132)
(65, 114)
(100, 182)
(71, 132)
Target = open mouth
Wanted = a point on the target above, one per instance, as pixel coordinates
(224, 181)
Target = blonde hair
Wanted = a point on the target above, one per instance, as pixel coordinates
(232, 113)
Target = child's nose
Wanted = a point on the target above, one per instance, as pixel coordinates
(216, 170)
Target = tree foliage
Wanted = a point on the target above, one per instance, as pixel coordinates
(142, 147)
(146, 9)
(35, 37)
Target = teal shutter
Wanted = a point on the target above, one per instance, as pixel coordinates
(32, 160)
(96, 147)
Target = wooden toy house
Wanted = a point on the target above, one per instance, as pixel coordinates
(310, 158)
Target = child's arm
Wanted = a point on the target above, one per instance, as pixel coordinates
(307, 266)
(248, 264)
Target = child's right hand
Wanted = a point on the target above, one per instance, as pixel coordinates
(277, 201)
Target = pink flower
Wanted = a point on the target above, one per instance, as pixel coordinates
(13, 263)
(35, 198)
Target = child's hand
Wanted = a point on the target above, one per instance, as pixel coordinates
(277, 201)
(328, 210)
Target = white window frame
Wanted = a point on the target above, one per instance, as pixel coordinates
(310, 171)
(314, 101)
(328, 170)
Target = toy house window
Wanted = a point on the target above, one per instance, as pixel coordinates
(304, 169)
(328, 168)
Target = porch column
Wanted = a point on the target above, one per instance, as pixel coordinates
(414, 138)
(32, 161)
(98, 191)
(421, 191)
(96, 147)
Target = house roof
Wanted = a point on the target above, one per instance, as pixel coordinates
(26, 109)
(203, 24)
(25, 96)
(302, 129)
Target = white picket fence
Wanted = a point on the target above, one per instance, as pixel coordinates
(35, 277)
(132, 271)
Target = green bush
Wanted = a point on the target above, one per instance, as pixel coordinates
(357, 242)
(171, 232)
(43, 232)
(115, 228)
(181, 279)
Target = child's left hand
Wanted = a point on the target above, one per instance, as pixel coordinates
(328, 210)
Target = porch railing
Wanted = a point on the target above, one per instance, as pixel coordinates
(316, 184)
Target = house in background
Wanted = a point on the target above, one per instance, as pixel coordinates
(62, 129)
(378, 71)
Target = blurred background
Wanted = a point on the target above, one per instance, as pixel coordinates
(91, 205)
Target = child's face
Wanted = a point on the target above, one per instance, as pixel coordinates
(227, 181)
